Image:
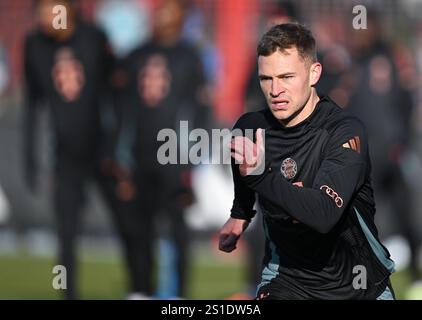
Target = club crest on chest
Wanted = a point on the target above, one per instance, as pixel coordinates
(288, 168)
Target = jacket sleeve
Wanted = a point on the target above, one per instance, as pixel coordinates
(244, 196)
(341, 174)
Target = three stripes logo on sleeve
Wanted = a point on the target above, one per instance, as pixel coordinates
(353, 144)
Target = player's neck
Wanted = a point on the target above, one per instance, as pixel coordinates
(305, 112)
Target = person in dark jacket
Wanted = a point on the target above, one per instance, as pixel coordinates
(165, 78)
(67, 70)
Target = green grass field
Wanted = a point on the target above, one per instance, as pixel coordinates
(23, 276)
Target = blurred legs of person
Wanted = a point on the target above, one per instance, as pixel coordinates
(69, 194)
(133, 228)
(159, 204)
(177, 270)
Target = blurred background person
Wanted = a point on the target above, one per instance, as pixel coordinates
(68, 70)
(165, 77)
(330, 33)
(127, 25)
(381, 98)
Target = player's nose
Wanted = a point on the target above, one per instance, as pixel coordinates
(276, 88)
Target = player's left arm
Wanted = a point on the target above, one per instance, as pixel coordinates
(342, 173)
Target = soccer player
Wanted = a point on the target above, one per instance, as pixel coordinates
(308, 164)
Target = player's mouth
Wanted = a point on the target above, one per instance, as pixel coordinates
(279, 104)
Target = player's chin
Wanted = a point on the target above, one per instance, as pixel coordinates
(281, 114)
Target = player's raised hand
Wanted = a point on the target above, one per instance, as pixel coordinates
(249, 155)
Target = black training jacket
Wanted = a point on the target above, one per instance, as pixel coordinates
(316, 198)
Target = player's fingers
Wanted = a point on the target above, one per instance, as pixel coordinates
(250, 152)
(245, 147)
(227, 242)
(259, 138)
(249, 145)
(227, 248)
(242, 144)
(250, 157)
(224, 247)
(239, 159)
(230, 242)
(238, 145)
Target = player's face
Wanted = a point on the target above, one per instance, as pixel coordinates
(286, 80)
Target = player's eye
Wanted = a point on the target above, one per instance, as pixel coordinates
(262, 78)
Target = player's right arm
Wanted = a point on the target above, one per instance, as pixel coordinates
(242, 210)
(241, 213)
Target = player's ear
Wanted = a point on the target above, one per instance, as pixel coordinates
(315, 73)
